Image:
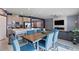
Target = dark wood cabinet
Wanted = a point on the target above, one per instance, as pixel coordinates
(37, 23)
(66, 35)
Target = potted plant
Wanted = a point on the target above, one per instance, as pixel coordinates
(75, 35)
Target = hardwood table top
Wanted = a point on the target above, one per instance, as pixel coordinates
(34, 37)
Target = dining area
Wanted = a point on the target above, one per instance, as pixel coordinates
(34, 39)
(30, 33)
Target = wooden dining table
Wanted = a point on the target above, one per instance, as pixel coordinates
(35, 38)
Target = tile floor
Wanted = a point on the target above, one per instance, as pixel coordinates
(69, 44)
(63, 45)
(4, 45)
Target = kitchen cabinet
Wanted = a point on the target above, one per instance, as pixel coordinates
(66, 35)
(2, 27)
(37, 24)
(15, 18)
(25, 19)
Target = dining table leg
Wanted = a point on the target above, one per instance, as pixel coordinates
(37, 46)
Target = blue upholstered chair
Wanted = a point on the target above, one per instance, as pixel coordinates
(39, 30)
(30, 32)
(55, 38)
(47, 43)
(20, 33)
(43, 29)
(16, 47)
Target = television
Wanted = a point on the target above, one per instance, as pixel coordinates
(59, 22)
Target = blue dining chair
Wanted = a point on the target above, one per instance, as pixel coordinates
(26, 47)
(20, 33)
(29, 32)
(39, 30)
(43, 30)
(47, 43)
(55, 38)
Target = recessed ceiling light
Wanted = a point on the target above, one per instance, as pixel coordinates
(28, 8)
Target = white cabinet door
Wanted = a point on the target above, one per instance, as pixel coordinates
(2, 27)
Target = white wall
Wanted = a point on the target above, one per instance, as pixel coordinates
(69, 22)
(61, 18)
(49, 24)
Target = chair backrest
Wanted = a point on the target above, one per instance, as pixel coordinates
(15, 44)
(29, 32)
(43, 30)
(39, 30)
(49, 40)
(53, 30)
(55, 38)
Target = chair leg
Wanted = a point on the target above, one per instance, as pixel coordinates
(37, 46)
(40, 49)
(44, 50)
(10, 42)
(57, 48)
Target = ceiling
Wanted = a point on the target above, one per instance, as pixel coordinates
(44, 12)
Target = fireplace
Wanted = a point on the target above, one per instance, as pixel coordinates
(59, 22)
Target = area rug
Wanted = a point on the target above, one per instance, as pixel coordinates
(62, 47)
